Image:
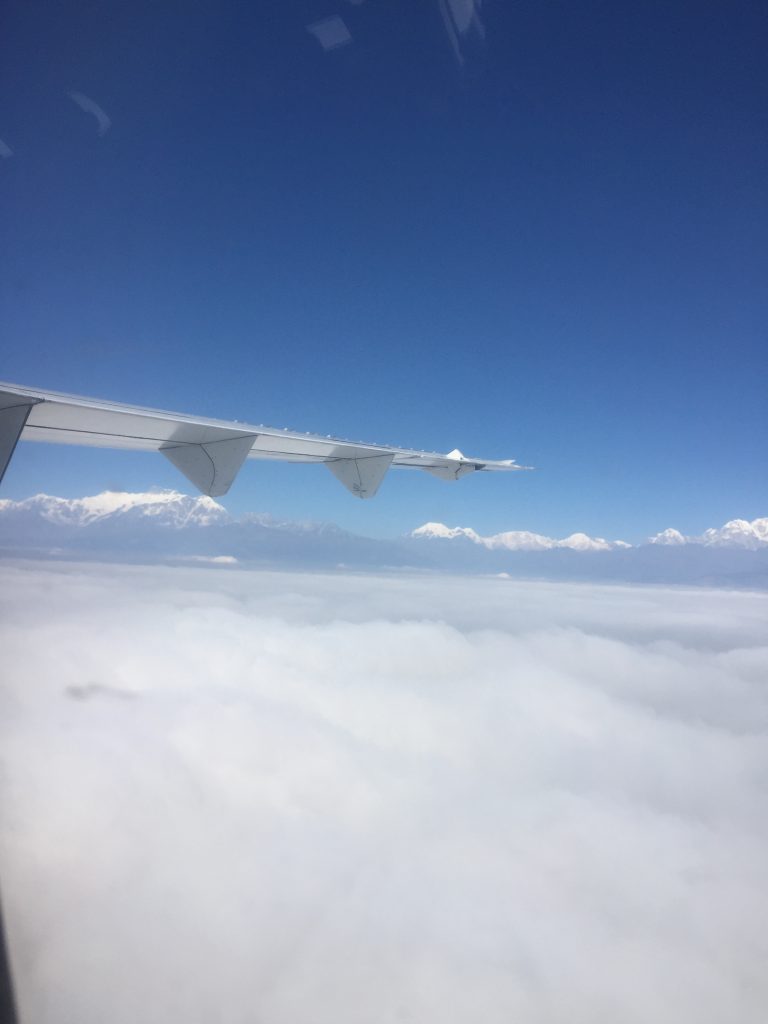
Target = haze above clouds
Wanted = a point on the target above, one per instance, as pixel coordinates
(249, 796)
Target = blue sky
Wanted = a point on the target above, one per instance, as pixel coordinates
(553, 252)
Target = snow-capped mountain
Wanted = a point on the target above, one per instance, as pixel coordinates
(163, 508)
(168, 526)
(668, 538)
(737, 533)
(730, 556)
(517, 540)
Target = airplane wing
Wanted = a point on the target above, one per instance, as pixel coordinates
(209, 452)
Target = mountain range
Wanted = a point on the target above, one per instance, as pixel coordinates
(174, 527)
(738, 533)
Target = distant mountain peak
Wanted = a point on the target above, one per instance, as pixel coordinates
(168, 525)
(166, 508)
(516, 540)
(441, 530)
(668, 538)
(736, 533)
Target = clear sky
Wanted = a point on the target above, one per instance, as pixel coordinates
(553, 249)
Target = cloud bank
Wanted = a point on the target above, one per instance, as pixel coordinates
(290, 797)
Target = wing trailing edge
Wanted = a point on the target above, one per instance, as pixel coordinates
(209, 452)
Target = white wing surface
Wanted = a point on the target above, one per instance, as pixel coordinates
(208, 452)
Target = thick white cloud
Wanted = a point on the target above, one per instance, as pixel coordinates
(288, 798)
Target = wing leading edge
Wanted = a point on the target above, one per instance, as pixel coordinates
(210, 453)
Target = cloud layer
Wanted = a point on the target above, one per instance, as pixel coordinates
(286, 797)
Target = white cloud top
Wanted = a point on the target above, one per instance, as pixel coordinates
(293, 798)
